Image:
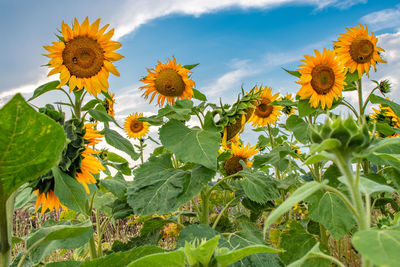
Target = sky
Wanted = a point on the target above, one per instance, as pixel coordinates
(237, 42)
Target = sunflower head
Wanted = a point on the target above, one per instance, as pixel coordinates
(134, 128)
(288, 109)
(322, 79)
(48, 200)
(239, 152)
(109, 105)
(170, 81)
(357, 50)
(386, 115)
(84, 56)
(265, 113)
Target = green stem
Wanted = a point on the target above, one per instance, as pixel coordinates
(222, 180)
(367, 100)
(141, 149)
(360, 98)
(323, 235)
(6, 226)
(99, 236)
(271, 138)
(223, 210)
(330, 258)
(347, 104)
(343, 197)
(92, 248)
(204, 206)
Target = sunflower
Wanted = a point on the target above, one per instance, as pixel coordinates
(288, 110)
(264, 113)
(48, 201)
(322, 79)
(136, 129)
(170, 81)
(232, 130)
(386, 115)
(110, 105)
(228, 146)
(357, 50)
(89, 165)
(83, 56)
(239, 152)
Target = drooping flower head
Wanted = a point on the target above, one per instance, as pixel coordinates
(322, 79)
(357, 50)
(288, 109)
(134, 128)
(265, 113)
(239, 152)
(232, 130)
(84, 56)
(170, 81)
(49, 201)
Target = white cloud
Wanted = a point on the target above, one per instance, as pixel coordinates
(383, 19)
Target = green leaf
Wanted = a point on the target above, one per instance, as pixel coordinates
(304, 108)
(310, 259)
(191, 144)
(327, 144)
(202, 253)
(64, 264)
(69, 191)
(45, 88)
(123, 258)
(300, 194)
(299, 128)
(381, 247)
(236, 255)
(199, 231)
(368, 186)
(198, 95)
(116, 185)
(276, 157)
(60, 236)
(100, 114)
(350, 80)
(379, 145)
(152, 225)
(315, 159)
(385, 102)
(331, 211)
(384, 129)
(180, 110)
(258, 186)
(91, 104)
(174, 258)
(295, 73)
(116, 140)
(191, 66)
(30, 144)
(159, 188)
(296, 242)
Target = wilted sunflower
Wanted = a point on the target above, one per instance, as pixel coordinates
(239, 152)
(232, 130)
(357, 50)
(264, 113)
(110, 105)
(48, 201)
(83, 56)
(322, 79)
(136, 129)
(170, 81)
(90, 165)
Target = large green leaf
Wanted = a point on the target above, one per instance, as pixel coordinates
(123, 258)
(116, 185)
(113, 138)
(276, 157)
(300, 194)
(59, 236)
(100, 114)
(236, 255)
(367, 186)
(258, 186)
(299, 128)
(180, 110)
(310, 259)
(30, 144)
(199, 231)
(381, 247)
(304, 108)
(174, 258)
(331, 211)
(160, 188)
(69, 191)
(45, 88)
(192, 144)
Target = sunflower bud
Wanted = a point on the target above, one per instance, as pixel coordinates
(353, 135)
(384, 86)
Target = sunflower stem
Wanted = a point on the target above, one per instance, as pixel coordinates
(141, 149)
(367, 99)
(223, 210)
(6, 219)
(205, 208)
(360, 98)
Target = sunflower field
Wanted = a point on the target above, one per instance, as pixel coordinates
(319, 188)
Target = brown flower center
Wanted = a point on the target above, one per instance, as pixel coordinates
(263, 108)
(323, 79)
(170, 83)
(233, 128)
(136, 126)
(232, 165)
(83, 57)
(361, 50)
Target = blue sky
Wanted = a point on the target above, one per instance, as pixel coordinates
(236, 42)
